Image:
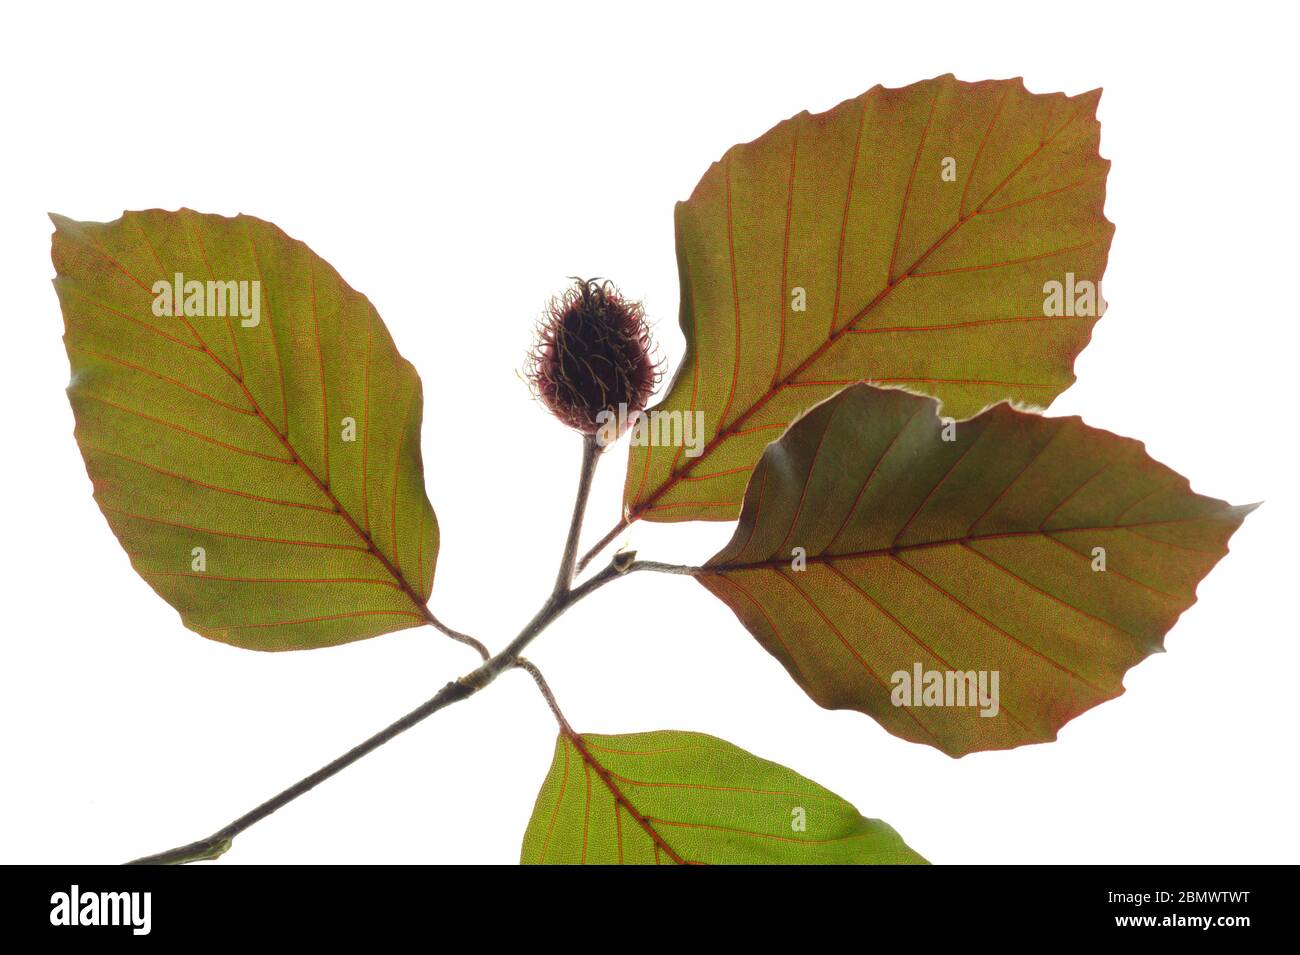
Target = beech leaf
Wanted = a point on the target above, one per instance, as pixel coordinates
(676, 797)
(905, 236)
(255, 446)
(880, 544)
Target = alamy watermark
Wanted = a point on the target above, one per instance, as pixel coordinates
(1072, 297)
(922, 687)
(193, 299)
(656, 428)
(76, 907)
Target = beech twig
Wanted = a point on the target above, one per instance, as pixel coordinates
(561, 599)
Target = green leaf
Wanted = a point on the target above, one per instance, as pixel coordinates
(1050, 553)
(908, 278)
(217, 443)
(675, 797)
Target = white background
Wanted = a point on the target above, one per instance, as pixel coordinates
(457, 167)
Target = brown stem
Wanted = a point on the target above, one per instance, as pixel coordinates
(217, 843)
(531, 669)
(561, 599)
(603, 543)
(590, 455)
(456, 634)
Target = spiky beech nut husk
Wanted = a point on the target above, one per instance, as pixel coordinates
(593, 362)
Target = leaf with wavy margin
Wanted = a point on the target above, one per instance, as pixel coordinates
(677, 797)
(202, 432)
(908, 278)
(975, 554)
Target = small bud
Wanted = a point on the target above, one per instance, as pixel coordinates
(592, 363)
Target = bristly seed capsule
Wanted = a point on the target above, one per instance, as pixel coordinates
(593, 358)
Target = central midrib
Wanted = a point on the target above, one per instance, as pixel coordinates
(927, 545)
(635, 512)
(324, 489)
(335, 504)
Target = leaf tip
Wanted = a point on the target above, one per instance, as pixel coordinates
(1091, 98)
(61, 223)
